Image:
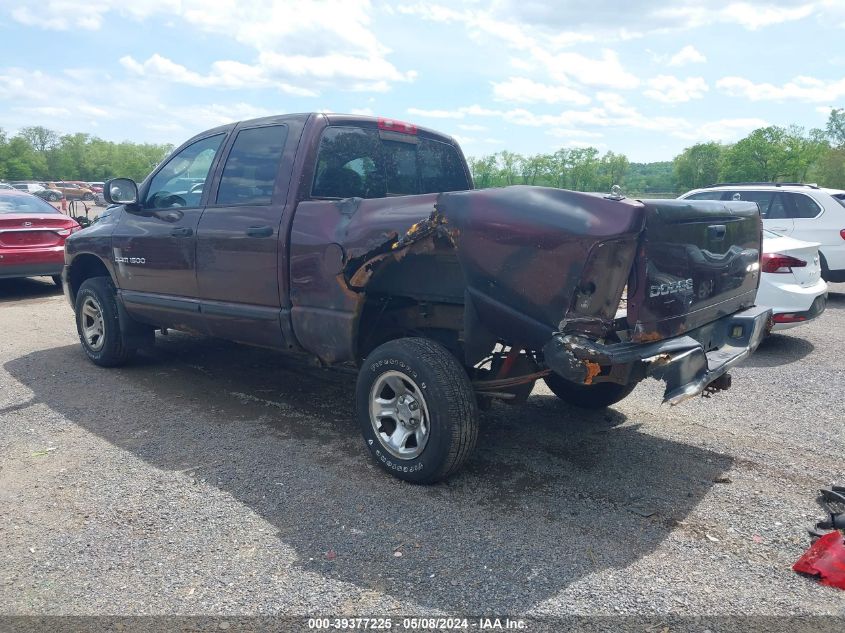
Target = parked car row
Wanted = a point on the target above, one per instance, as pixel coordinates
(56, 190)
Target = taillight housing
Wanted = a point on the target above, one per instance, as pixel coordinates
(789, 317)
(842, 234)
(68, 230)
(392, 125)
(777, 263)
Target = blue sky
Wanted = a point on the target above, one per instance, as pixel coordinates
(642, 78)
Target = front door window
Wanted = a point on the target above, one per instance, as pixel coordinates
(181, 181)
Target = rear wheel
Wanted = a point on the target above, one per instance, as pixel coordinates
(55, 196)
(416, 409)
(88, 196)
(596, 396)
(98, 323)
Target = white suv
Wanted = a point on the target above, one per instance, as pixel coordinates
(805, 212)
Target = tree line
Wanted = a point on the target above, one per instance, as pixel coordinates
(767, 154)
(37, 153)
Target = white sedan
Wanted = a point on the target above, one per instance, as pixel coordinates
(791, 282)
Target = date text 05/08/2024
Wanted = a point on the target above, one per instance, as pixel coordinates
(412, 624)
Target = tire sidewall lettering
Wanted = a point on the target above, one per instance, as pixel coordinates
(388, 463)
(394, 364)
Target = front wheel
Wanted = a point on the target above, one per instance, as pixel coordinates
(57, 279)
(98, 323)
(55, 197)
(416, 409)
(596, 396)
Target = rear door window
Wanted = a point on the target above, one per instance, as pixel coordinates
(358, 162)
(762, 198)
(802, 206)
(252, 165)
(706, 195)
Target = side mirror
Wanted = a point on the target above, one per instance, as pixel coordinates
(121, 191)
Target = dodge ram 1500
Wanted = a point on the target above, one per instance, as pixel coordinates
(359, 241)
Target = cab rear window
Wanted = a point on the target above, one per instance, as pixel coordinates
(359, 162)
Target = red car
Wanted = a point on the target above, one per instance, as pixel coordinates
(32, 236)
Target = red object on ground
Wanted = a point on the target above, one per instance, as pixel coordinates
(826, 559)
(64, 204)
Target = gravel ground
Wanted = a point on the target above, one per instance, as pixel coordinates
(211, 478)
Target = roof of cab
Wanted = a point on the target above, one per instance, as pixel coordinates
(331, 117)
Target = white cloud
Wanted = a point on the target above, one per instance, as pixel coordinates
(799, 88)
(687, 55)
(573, 132)
(459, 113)
(724, 130)
(670, 89)
(523, 90)
(755, 15)
(472, 127)
(575, 144)
(613, 112)
(298, 46)
(604, 71)
(602, 17)
(282, 72)
(207, 116)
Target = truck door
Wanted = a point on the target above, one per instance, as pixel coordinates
(238, 239)
(154, 245)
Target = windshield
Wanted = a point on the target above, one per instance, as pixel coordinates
(16, 203)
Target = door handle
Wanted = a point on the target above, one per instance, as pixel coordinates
(260, 231)
(716, 232)
(182, 231)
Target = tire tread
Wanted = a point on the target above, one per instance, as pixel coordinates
(457, 391)
(118, 352)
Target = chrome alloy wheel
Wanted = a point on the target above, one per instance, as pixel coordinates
(399, 415)
(93, 326)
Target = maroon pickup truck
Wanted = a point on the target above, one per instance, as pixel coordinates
(359, 241)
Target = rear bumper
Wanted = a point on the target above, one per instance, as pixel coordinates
(682, 362)
(785, 319)
(30, 270)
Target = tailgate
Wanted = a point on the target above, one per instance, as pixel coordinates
(698, 261)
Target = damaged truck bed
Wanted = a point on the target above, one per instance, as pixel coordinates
(445, 298)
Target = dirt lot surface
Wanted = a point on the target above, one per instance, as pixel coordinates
(211, 478)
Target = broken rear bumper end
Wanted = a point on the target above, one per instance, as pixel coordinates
(691, 364)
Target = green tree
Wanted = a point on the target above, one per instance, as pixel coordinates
(532, 168)
(698, 166)
(21, 161)
(510, 165)
(760, 156)
(559, 164)
(829, 171)
(584, 169)
(39, 138)
(836, 127)
(611, 170)
(483, 170)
